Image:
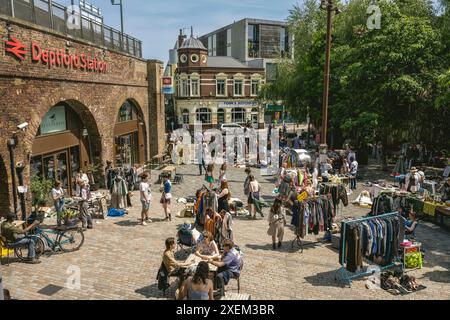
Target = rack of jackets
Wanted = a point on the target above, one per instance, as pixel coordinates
(382, 204)
(206, 198)
(119, 193)
(337, 191)
(313, 215)
(376, 238)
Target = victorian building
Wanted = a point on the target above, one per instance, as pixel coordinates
(215, 90)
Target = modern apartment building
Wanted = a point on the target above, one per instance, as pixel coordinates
(257, 43)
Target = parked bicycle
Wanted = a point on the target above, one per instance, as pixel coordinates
(68, 238)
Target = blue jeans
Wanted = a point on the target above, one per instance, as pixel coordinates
(353, 182)
(59, 205)
(31, 246)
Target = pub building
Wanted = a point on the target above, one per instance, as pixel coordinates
(215, 90)
(85, 101)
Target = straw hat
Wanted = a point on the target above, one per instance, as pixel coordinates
(413, 169)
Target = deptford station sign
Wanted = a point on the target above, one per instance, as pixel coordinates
(56, 57)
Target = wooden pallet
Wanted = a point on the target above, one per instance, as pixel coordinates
(236, 296)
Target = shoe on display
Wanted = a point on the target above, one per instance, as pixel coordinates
(144, 224)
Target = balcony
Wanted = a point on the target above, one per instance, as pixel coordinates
(55, 16)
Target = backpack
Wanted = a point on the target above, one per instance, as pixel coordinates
(163, 278)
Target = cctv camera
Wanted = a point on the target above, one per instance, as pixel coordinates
(23, 126)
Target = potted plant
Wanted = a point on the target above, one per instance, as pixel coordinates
(40, 190)
(93, 170)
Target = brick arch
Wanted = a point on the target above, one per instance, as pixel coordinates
(142, 114)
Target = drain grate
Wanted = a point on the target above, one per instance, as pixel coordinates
(50, 290)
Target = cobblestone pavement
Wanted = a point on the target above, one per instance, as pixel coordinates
(120, 258)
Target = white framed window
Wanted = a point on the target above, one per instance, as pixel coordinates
(221, 87)
(203, 115)
(238, 115)
(195, 87)
(238, 88)
(255, 87)
(195, 58)
(183, 88)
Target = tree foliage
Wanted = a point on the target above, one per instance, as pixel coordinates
(388, 84)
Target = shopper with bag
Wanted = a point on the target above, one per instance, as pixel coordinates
(166, 196)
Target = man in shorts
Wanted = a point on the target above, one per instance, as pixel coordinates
(146, 197)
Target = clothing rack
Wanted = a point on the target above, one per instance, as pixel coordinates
(298, 240)
(342, 270)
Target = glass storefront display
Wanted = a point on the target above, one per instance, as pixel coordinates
(127, 150)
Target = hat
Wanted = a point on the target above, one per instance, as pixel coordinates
(413, 169)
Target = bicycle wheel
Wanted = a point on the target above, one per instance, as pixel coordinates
(22, 250)
(71, 240)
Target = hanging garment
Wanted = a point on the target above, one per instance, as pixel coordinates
(119, 193)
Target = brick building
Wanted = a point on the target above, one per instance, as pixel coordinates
(84, 102)
(215, 90)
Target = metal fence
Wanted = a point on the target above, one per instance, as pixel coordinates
(56, 16)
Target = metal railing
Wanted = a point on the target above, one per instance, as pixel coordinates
(56, 16)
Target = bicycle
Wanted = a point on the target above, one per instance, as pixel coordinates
(21, 251)
(68, 239)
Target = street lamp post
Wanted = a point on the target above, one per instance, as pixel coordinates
(114, 3)
(12, 143)
(329, 7)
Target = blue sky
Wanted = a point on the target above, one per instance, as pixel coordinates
(157, 22)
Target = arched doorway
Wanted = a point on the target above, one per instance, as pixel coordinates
(4, 188)
(255, 118)
(67, 140)
(130, 136)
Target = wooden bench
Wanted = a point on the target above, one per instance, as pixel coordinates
(236, 296)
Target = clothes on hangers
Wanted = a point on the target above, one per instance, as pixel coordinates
(337, 191)
(119, 193)
(378, 239)
(382, 204)
(312, 215)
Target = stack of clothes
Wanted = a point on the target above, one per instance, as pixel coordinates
(395, 282)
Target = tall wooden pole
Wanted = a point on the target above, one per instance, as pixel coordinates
(326, 75)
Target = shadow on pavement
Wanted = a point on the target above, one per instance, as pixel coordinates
(438, 276)
(286, 247)
(127, 223)
(325, 279)
(152, 291)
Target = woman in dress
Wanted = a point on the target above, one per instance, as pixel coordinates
(223, 197)
(209, 175)
(277, 221)
(207, 249)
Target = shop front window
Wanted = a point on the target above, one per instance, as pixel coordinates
(220, 116)
(127, 150)
(204, 116)
(238, 115)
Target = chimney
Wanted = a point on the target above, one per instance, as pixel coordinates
(192, 31)
(180, 38)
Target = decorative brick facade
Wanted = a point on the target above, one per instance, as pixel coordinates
(29, 89)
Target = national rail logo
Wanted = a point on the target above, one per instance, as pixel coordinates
(56, 57)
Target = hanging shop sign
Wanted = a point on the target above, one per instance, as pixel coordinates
(55, 57)
(168, 85)
(54, 120)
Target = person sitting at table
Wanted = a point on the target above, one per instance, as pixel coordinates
(207, 249)
(229, 266)
(411, 223)
(198, 287)
(174, 267)
(16, 237)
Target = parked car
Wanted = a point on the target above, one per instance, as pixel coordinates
(304, 155)
(227, 127)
